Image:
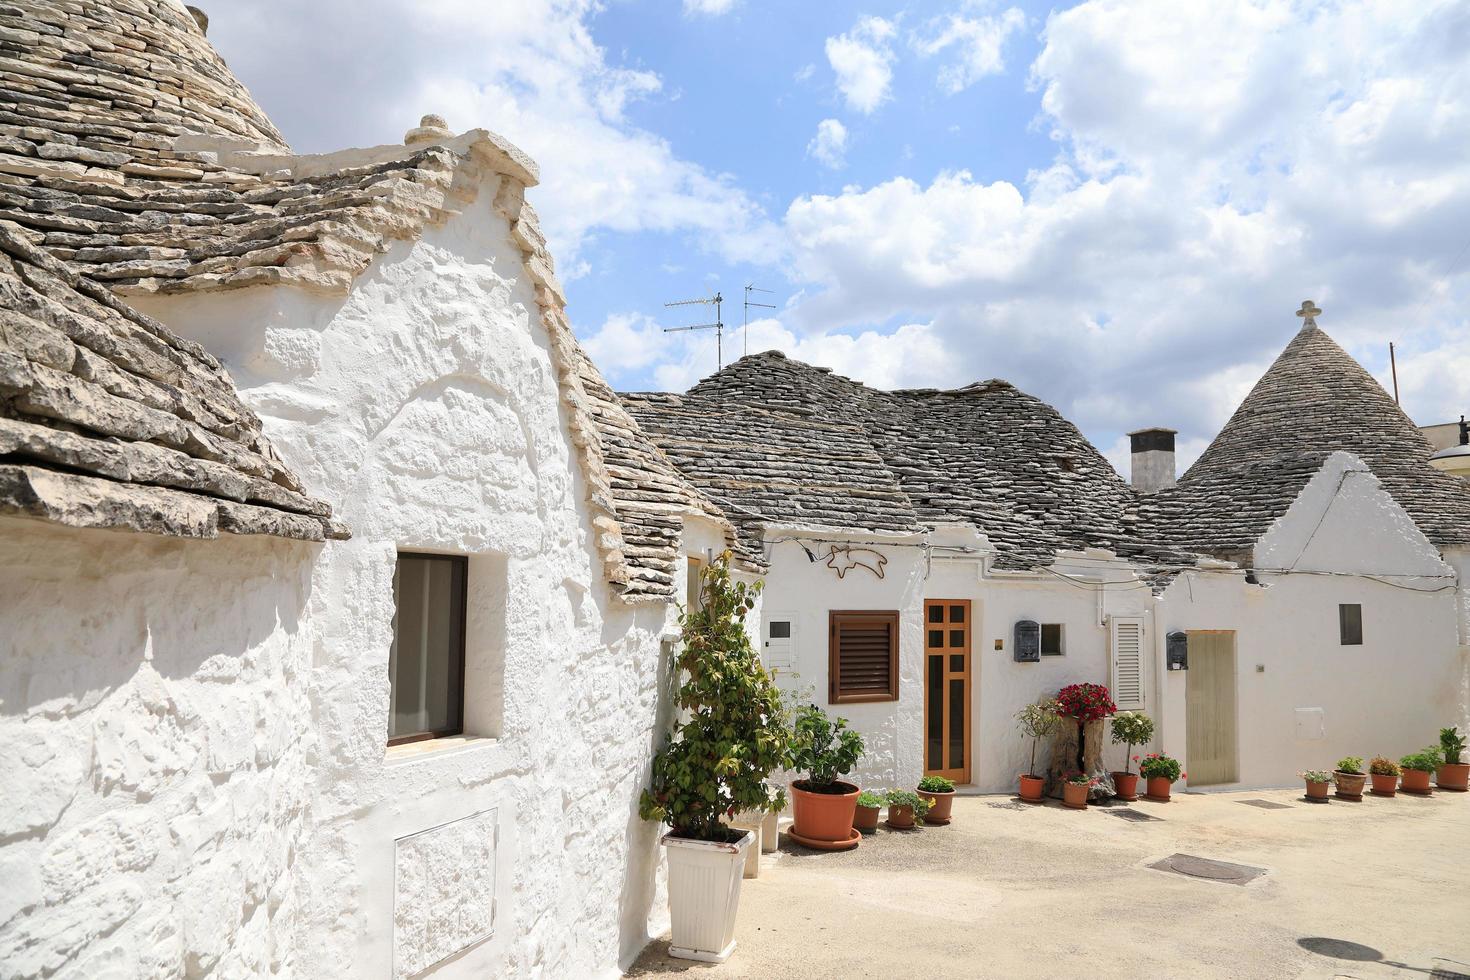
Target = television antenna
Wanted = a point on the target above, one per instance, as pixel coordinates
(751, 287)
(718, 326)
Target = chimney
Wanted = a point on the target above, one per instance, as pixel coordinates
(1153, 459)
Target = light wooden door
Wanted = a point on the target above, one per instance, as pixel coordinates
(1210, 702)
(947, 631)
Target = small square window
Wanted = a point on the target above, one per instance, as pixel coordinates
(1350, 624)
(1051, 640)
(426, 660)
(781, 630)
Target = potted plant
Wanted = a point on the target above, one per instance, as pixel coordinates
(905, 808)
(1075, 788)
(1385, 776)
(1317, 782)
(822, 805)
(1349, 777)
(940, 794)
(727, 739)
(1036, 721)
(1417, 768)
(1130, 728)
(1454, 774)
(869, 806)
(1162, 772)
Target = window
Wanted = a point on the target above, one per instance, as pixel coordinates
(694, 584)
(862, 658)
(1128, 656)
(780, 646)
(781, 631)
(1350, 624)
(426, 660)
(1051, 640)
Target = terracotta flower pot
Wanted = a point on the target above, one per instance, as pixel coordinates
(900, 817)
(1074, 796)
(1126, 784)
(1454, 776)
(1158, 789)
(1415, 781)
(1317, 791)
(1031, 787)
(1349, 785)
(939, 807)
(823, 816)
(866, 817)
(1384, 785)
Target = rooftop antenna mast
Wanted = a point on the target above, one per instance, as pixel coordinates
(751, 287)
(718, 326)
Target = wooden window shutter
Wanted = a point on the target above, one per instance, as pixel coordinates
(1127, 663)
(862, 658)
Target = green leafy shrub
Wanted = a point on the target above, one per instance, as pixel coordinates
(1425, 760)
(823, 748)
(907, 797)
(1156, 764)
(870, 798)
(1132, 728)
(1379, 766)
(1316, 776)
(1351, 765)
(936, 784)
(729, 734)
(1080, 779)
(1037, 721)
(1451, 744)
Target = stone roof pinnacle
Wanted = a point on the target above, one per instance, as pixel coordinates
(1309, 313)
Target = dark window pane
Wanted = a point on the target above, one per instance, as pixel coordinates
(1051, 639)
(956, 724)
(936, 639)
(957, 662)
(426, 660)
(936, 712)
(956, 614)
(780, 630)
(1350, 624)
(936, 613)
(957, 639)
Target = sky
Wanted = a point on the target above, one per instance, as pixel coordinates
(1116, 206)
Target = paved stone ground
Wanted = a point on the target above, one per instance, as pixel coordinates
(1366, 890)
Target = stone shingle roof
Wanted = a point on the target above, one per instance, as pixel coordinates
(776, 441)
(1313, 401)
(109, 420)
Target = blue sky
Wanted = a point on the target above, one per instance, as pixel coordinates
(1116, 204)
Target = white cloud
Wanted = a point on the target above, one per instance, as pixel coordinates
(709, 8)
(863, 59)
(977, 42)
(829, 146)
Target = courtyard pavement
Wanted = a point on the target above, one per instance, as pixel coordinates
(1374, 889)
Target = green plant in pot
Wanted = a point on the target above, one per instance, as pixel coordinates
(1130, 728)
(1036, 721)
(822, 804)
(939, 791)
(1454, 772)
(727, 739)
(1349, 777)
(1318, 781)
(906, 808)
(1384, 774)
(869, 807)
(1417, 768)
(1162, 772)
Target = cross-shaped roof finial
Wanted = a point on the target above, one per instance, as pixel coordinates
(1309, 313)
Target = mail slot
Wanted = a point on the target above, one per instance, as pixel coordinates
(1177, 650)
(1028, 642)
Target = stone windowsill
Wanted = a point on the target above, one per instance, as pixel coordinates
(410, 751)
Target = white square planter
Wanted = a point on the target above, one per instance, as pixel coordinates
(704, 896)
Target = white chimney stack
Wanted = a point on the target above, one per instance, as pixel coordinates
(1153, 459)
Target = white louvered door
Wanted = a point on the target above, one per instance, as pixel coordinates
(1128, 662)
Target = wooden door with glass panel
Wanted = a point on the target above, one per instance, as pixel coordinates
(947, 688)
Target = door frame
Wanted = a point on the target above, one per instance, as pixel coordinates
(1191, 760)
(960, 774)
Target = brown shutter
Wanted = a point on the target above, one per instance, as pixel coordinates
(862, 658)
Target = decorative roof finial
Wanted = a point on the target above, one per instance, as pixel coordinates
(1309, 313)
(431, 129)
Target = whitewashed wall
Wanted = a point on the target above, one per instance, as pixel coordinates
(1388, 696)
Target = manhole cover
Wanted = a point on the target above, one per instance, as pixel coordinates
(1009, 806)
(1266, 804)
(1136, 815)
(1198, 867)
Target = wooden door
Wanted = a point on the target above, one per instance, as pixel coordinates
(947, 630)
(1210, 702)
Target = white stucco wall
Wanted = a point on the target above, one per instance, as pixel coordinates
(424, 405)
(1388, 696)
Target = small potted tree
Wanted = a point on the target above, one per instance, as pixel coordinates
(905, 807)
(1385, 776)
(1349, 777)
(1075, 788)
(940, 794)
(1318, 780)
(823, 806)
(1036, 721)
(727, 739)
(1130, 728)
(1162, 772)
(1454, 773)
(869, 807)
(1417, 768)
